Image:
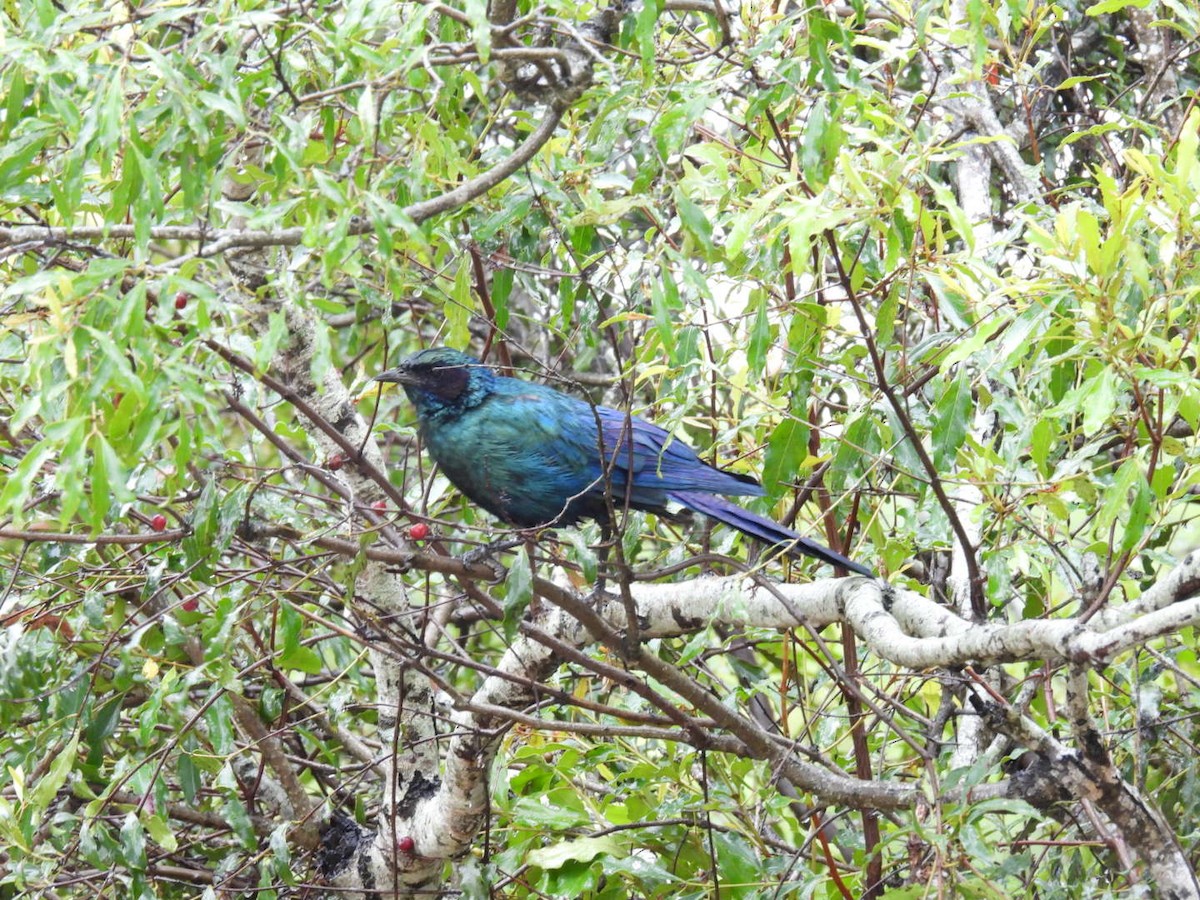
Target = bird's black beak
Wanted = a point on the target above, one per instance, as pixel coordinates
(398, 375)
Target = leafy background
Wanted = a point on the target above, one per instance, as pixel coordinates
(743, 240)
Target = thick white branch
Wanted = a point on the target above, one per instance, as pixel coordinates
(901, 626)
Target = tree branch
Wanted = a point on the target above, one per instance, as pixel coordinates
(218, 240)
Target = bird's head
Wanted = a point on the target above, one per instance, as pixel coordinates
(441, 382)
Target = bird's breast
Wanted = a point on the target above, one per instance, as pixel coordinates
(519, 484)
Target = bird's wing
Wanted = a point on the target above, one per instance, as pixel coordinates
(656, 460)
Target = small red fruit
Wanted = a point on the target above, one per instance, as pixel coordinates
(335, 462)
(159, 522)
(190, 605)
(418, 532)
(379, 506)
(181, 299)
(405, 844)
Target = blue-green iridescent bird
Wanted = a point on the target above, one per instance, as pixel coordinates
(534, 456)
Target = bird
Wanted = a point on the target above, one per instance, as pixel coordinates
(536, 457)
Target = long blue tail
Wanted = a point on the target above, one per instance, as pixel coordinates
(763, 529)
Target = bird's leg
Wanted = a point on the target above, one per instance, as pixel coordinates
(608, 536)
(623, 575)
(606, 539)
(486, 553)
(535, 604)
(486, 556)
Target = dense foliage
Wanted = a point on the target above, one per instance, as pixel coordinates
(930, 272)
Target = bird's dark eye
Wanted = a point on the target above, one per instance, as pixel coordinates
(447, 382)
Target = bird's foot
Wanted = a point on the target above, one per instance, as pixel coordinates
(485, 554)
(631, 647)
(596, 595)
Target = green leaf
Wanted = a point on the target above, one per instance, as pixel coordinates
(645, 31)
(189, 777)
(665, 303)
(1095, 401)
(267, 345)
(459, 307)
(953, 418)
(160, 832)
(281, 852)
(481, 28)
(1139, 512)
(697, 644)
(822, 140)
(502, 283)
(544, 812)
(133, 842)
(1111, 6)
(885, 319)
(518, 591)
(290, 625)
(1186, 153)
(15, 166)
(13, 103)
(236, 814)
(201, 546)
(20, 480)
(219, 717)
(1075, 81)
(108, 480)
(102, 724)
(579, 850)
(760, 337)
(303, 659)
(787, 449)
(694, 221)
(572, 879)
(855, 452)
(582, 554)
(1100, 394)
(49, 784)
(1116, 497)
(1041, 438)
(738, 863)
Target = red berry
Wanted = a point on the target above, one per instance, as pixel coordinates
(335, 462)
(406, 844)
(379, 506)
(418, 532)
(181, 299)
(159, 522)
(190, 605)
